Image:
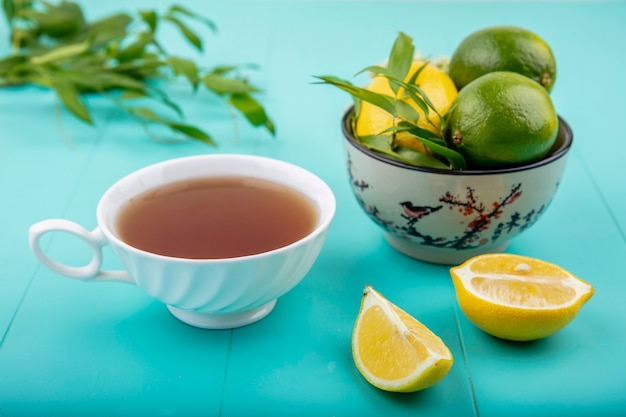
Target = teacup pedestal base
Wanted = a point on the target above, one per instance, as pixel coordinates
(222, 321)
(436, 255)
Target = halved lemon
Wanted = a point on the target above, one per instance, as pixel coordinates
(517, 297)
(394, 351)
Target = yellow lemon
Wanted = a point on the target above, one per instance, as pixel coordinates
(436, 85)
(516, 297)
(394, 351)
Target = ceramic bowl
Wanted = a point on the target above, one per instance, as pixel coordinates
(446, 216)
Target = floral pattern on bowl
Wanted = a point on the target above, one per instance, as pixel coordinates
(449, 216)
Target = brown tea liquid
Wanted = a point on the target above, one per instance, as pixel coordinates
(209, 218)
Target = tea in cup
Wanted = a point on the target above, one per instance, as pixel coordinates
(217, 238)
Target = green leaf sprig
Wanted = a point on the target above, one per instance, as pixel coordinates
(118, 56)
(405, 116)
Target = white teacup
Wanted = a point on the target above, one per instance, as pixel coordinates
(206, 293)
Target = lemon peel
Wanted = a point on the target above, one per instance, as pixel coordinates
(394, 351)
(516, 297)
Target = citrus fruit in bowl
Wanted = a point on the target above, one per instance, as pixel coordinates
(435, 84)
(447, 216)
(502, 119)
(503, 48)
(449, 169)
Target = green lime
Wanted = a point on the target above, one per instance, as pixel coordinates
(502, 119)
(503, 48)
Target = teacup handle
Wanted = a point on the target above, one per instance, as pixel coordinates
(94, 239)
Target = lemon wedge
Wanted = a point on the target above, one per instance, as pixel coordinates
(394, 351)
(516, 297)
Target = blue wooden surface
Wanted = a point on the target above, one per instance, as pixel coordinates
(73, 349)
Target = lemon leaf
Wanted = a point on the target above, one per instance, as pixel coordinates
(408, 104)
(252, 111)
(110, 80)
(417, 73)
(457, 161)
(178, 9)
(192, 132)
(222, 85)
(71, 100)
(162, 97)
(415, 92)
(223, 69)
(404, 126)
(413, 157)
(191, 36)
(406, 111)
(61, 53)
(400, 58)
(145, 116)
(9, 9)
(380, 144)
(151, 19)
(135, 49)
(186, 68)
(385, 102)
(376, 70)
(145, 113)
(433, 142)
(109, 28)
(385, 72)
(55, 47)
(421, 103)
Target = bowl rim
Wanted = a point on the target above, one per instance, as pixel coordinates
(554, 154)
